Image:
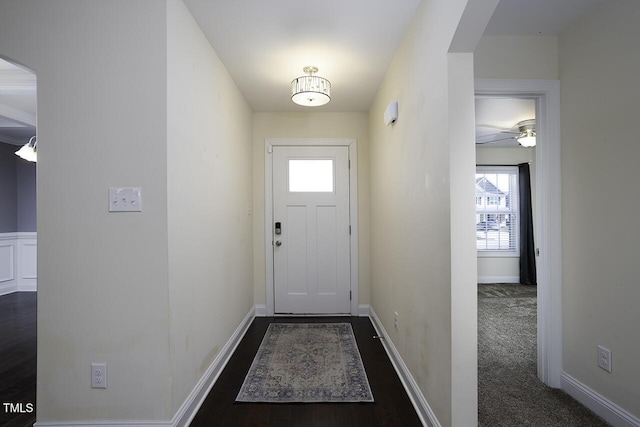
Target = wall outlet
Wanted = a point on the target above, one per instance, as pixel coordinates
(125, 199)
(395, 320)
(604, 358)
(98, 375)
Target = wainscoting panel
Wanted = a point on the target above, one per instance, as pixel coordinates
(7, 250)
(18, 262)
(28, 259)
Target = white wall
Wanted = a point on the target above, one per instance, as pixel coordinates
(599, 69)
(504, 269)
(310, 125)
(411, 229)
(209, 172)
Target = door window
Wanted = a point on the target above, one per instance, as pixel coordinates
(311, 175)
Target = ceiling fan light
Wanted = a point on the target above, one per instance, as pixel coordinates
(527, 138)
(310, 90)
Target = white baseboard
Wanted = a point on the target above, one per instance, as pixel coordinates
(8, 288)
(612, 413)
(363, 310)
(104, 424)
(261, 310)
(192, 404)
(27, 287)
(498, 279)
(425, 413)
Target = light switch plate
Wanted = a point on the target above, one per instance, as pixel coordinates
(125, 199)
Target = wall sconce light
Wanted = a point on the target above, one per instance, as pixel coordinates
(29, 151)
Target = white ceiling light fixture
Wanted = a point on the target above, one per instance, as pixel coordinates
(527, 137)
(310, 90)
(29, 151)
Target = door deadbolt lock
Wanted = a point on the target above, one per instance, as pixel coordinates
(278, 228)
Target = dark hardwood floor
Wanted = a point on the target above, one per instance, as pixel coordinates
(392, 406)
(18, 359)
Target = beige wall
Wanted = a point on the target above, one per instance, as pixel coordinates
(511, 57)
(493, 268)
(464, 301)
(310, 125)
(146, 292)
(597, 64)
(411, 234)
(102, 278)
(209, 173)
(599, 69)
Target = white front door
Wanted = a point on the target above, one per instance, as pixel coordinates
(311, 229)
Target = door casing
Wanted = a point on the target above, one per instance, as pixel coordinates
(351, 143)
(548, 214)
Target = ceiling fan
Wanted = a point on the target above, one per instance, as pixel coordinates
(524, 132)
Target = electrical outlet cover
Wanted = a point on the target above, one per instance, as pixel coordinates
(98, 375)
(604, 358)
(125, 199)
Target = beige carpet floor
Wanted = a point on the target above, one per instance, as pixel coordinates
(509, 392)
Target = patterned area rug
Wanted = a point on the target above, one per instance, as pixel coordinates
(310, 362)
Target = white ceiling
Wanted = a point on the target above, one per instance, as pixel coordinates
(536, 17)
(496, 120)
(265, 44)
(17, 104)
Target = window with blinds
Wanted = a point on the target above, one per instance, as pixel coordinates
(497, 219)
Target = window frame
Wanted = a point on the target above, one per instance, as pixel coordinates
(497, 253)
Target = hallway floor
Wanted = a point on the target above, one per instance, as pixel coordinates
(392, 406)
(509, 392)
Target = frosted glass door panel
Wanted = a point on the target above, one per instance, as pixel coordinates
(311, 176)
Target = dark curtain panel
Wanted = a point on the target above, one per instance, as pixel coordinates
(527, 246)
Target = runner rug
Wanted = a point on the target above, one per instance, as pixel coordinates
(310, 362)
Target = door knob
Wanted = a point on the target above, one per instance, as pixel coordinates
(278, 243)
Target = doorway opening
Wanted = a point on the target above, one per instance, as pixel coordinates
(18, 240)
(546, 94)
